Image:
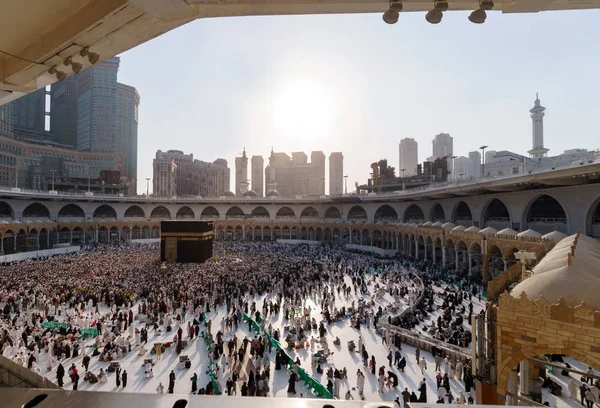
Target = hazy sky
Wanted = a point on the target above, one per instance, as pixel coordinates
(354, 84)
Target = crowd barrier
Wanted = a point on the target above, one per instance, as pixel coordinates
(425, 343)
(298, 241)
(372, 249)
(38, 254)
(311, 384)
(56, 325)
(211, 362)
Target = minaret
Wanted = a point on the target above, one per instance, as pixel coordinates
(537, 116)
(241, 174)
(272, 186)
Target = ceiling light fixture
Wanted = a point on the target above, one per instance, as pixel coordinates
(435, 15)
(479, 16)
(92, 56)
(391, 16)
(60, 75)
(76, 66)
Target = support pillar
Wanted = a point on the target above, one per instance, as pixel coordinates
(505, 264)
(470, 266)
(512, 387)
(443, 256)
(524, 378)
(456, 258)
(416, 249)
(71, 240)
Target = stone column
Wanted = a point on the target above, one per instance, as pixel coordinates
(271, 234)
(15, 242)
(433, 254)
(1, 244)
(416, 248)
(443, 256)
(456, 258)
(37, 241)
(71, 240)
(512, 387)
(505, 264)
(524, 378)
(470, 266)
(48, 239)
(425, 252)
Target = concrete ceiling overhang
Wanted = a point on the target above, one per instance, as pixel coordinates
(39, 34)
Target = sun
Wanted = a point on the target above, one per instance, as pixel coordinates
(303, 111)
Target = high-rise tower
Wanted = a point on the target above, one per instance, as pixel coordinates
(257, 163)
(537, 118)
(409, 156)
(336, 174)
(241, 174)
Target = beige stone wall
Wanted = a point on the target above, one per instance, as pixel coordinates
(528, 328)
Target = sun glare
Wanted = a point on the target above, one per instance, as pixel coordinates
(302, 111)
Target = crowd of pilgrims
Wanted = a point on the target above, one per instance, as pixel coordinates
(122, 292)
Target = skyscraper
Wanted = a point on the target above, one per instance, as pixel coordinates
(6, 121)
(474, 169)
(443, 145)
(258, 163)
(294, 175)
(92, 112)
(29, 116)
(409, 156)
(128, 101)
(177, 173)
(336, 174)
(241, 174)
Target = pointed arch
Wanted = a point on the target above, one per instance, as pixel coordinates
(285, 212)
(160, 213)
(36, 210)
(260, 212)
(333, 212)
(413, 213)
(71, 211)
(386, 213)
(134, 211)
(544, 214)
(185, 212)
(495, 214)
(593, 220)
(357, 213)
(462, 215)
(309, 212)
(210, 212)
(234, 212)
(104, 212)
(437, 213)
(6, 210)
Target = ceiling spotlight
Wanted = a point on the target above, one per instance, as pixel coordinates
(478, 16)
(76, 66)
(441, 6)
(60, 75)
(487, 5)
(391, 16)
(92, 56)
(434, 16)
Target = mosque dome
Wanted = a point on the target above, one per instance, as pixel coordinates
(273, 193)
(529, 233)
(448, 226)
(458, 228)
(473, 229)
(250, 193)
(507, 232)
(555, 236)
(576, 278)
(228, 194)
(488, 231)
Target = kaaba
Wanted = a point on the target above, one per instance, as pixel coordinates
(186, 241)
